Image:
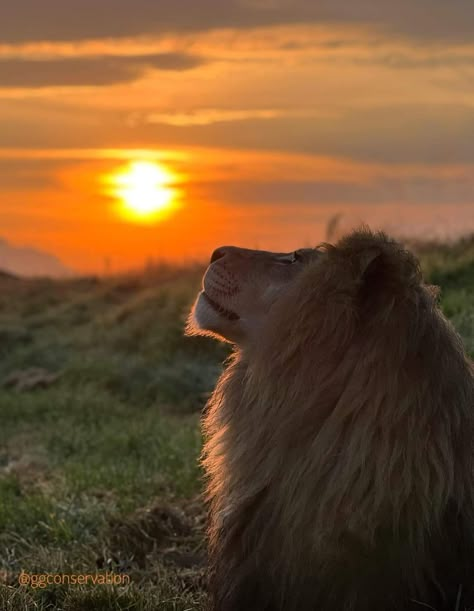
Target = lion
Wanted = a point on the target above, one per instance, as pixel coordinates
(339, 441)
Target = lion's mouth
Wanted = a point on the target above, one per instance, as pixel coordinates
(219, 309)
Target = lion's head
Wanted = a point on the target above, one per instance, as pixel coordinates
(244, 290)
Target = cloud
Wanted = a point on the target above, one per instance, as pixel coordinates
(376, 192)
(89, 71)
(433, 134)
(27, 174)
(209, 116)
(30, 20)
(407, 61)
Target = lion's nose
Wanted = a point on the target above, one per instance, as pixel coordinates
(218, 253)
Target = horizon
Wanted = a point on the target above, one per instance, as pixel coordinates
(170, 130)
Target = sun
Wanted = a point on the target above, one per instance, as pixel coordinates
(145, 191)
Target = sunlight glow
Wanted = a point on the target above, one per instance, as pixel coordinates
(145, 192)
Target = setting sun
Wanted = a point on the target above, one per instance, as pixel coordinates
(144, 190)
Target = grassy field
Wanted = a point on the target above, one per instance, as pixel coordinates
(100, 400)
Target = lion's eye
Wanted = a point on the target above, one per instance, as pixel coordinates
(294, 257)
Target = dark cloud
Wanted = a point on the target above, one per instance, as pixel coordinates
(35, 20)
(406, 61)
(39, 123)
(93, 71)
(430, 134)
(433, 134)
(378, 191)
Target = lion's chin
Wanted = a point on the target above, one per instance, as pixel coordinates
(209, 318)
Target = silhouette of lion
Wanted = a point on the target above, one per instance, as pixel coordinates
(339, 442)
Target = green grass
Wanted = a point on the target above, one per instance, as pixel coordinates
(451, 267)
(99, 471)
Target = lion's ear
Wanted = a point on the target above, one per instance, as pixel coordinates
(370, 261)
(376, 278)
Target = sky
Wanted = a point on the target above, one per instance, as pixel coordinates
(266, 117)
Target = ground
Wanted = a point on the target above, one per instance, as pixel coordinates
(100, 401)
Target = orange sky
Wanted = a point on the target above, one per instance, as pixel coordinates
(272, 117)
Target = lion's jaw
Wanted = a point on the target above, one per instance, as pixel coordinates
(240, 287)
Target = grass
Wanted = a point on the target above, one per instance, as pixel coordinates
(98, 463)
(99, 471)
(451, 267)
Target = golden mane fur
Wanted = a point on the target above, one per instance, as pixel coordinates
(339, 447)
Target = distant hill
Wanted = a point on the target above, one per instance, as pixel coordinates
(7, 275)
(26, 261)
